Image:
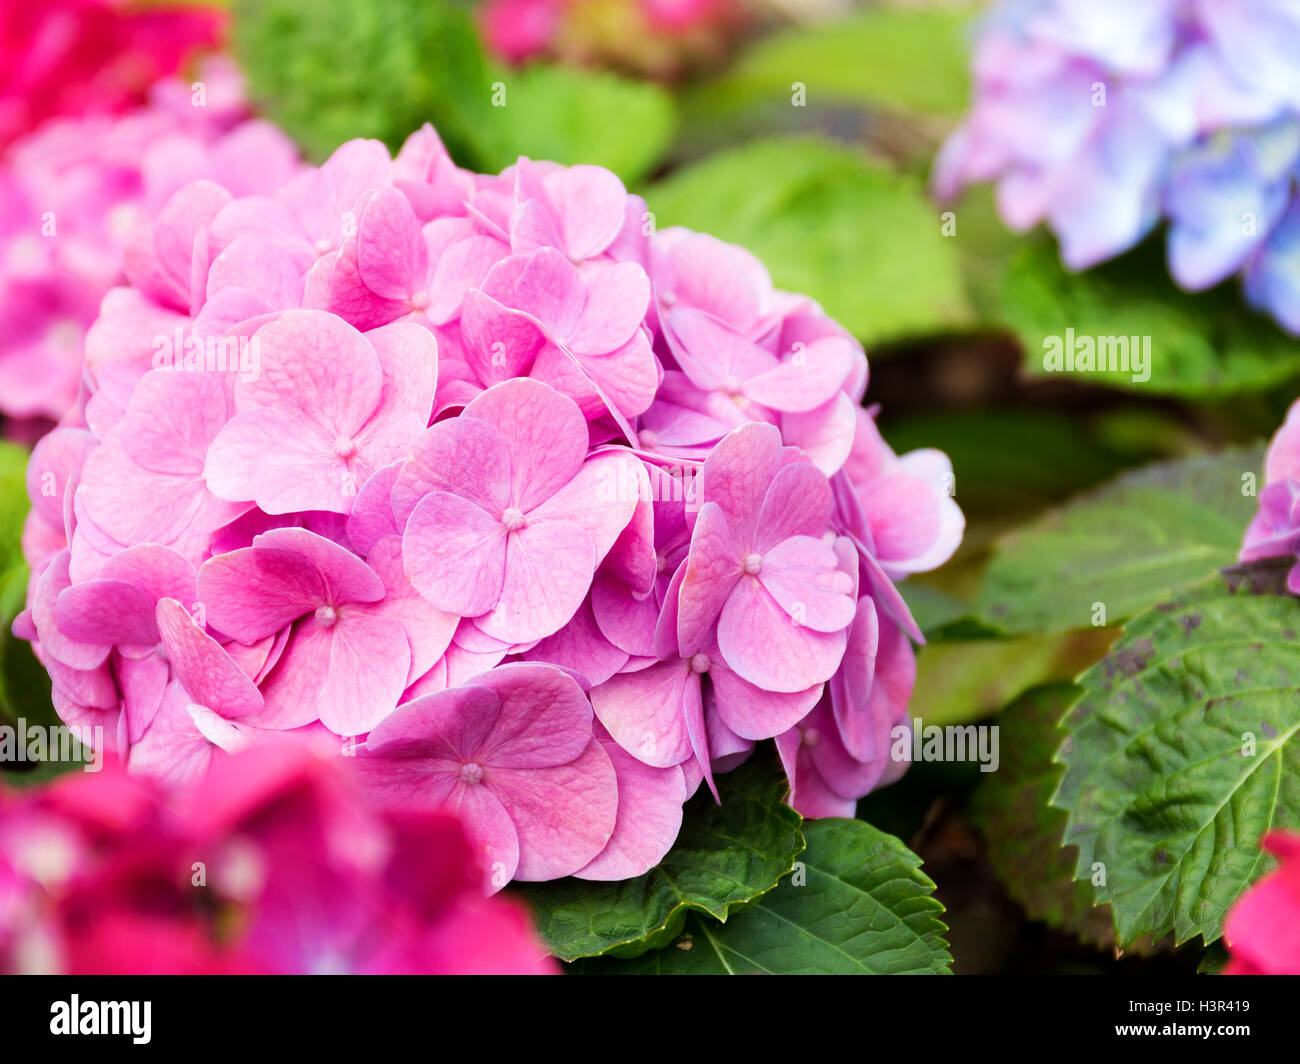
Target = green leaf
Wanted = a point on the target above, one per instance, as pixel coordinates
(857, 904)
(970, 678)
(1182, 753)
(903, 60)
(24, 683)
(333, 70)
(338, 69)
(576, 116)
(1022, 832)
(726, 855)
(1127, 545)
(1207, 344)
(859, 238)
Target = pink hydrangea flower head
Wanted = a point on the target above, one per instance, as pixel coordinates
(546, 518)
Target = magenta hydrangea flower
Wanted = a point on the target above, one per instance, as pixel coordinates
(546, 517)
(269, 864)
(75, 193)
(1262, 930)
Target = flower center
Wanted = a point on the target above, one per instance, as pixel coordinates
(344, 447)
(327, 616)
(753, 564)
(647, 439)
(732, 384)
(324, 245)
(668, 299)
(420, 300)
(471, 772)
(513, 519)
(700, 663)
(811, 737)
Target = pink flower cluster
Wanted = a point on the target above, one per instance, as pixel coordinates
(1263, 928)
(272, 864)
(546, 516)
(76, 191)
(1275, 530)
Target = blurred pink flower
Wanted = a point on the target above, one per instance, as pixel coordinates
(1263, 928)
(76, 57)
(271, 863)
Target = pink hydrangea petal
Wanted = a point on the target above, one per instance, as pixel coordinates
(544, 720)
(428, 629)
(350, 675)
(712, 571)
(617, 297)
(824, 434)
(649, 817)
(544, 432)
(455, 554)
(391, 254)
(801, 574)
(806, 380)
(548, 571)
(645, 711)
(208, 674)
(796, 503)
(344, 576)
(450, 726)
(737, 474)
(753, 713)
(626, 621)
(69, 651)
(588, 203)
(581, 647)
(107, 611)
(463, 456)
(371, 519)
(595, 499)
(318, 368)
(760, 642)
(306, 474)
(254, 592)
(564, 816)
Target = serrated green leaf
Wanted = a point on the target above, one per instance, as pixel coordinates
(1023, 832)
(862, 240)
(1182, 752)
(1127, 545)
(1206, 344)
(725, 856)
(858, 904)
